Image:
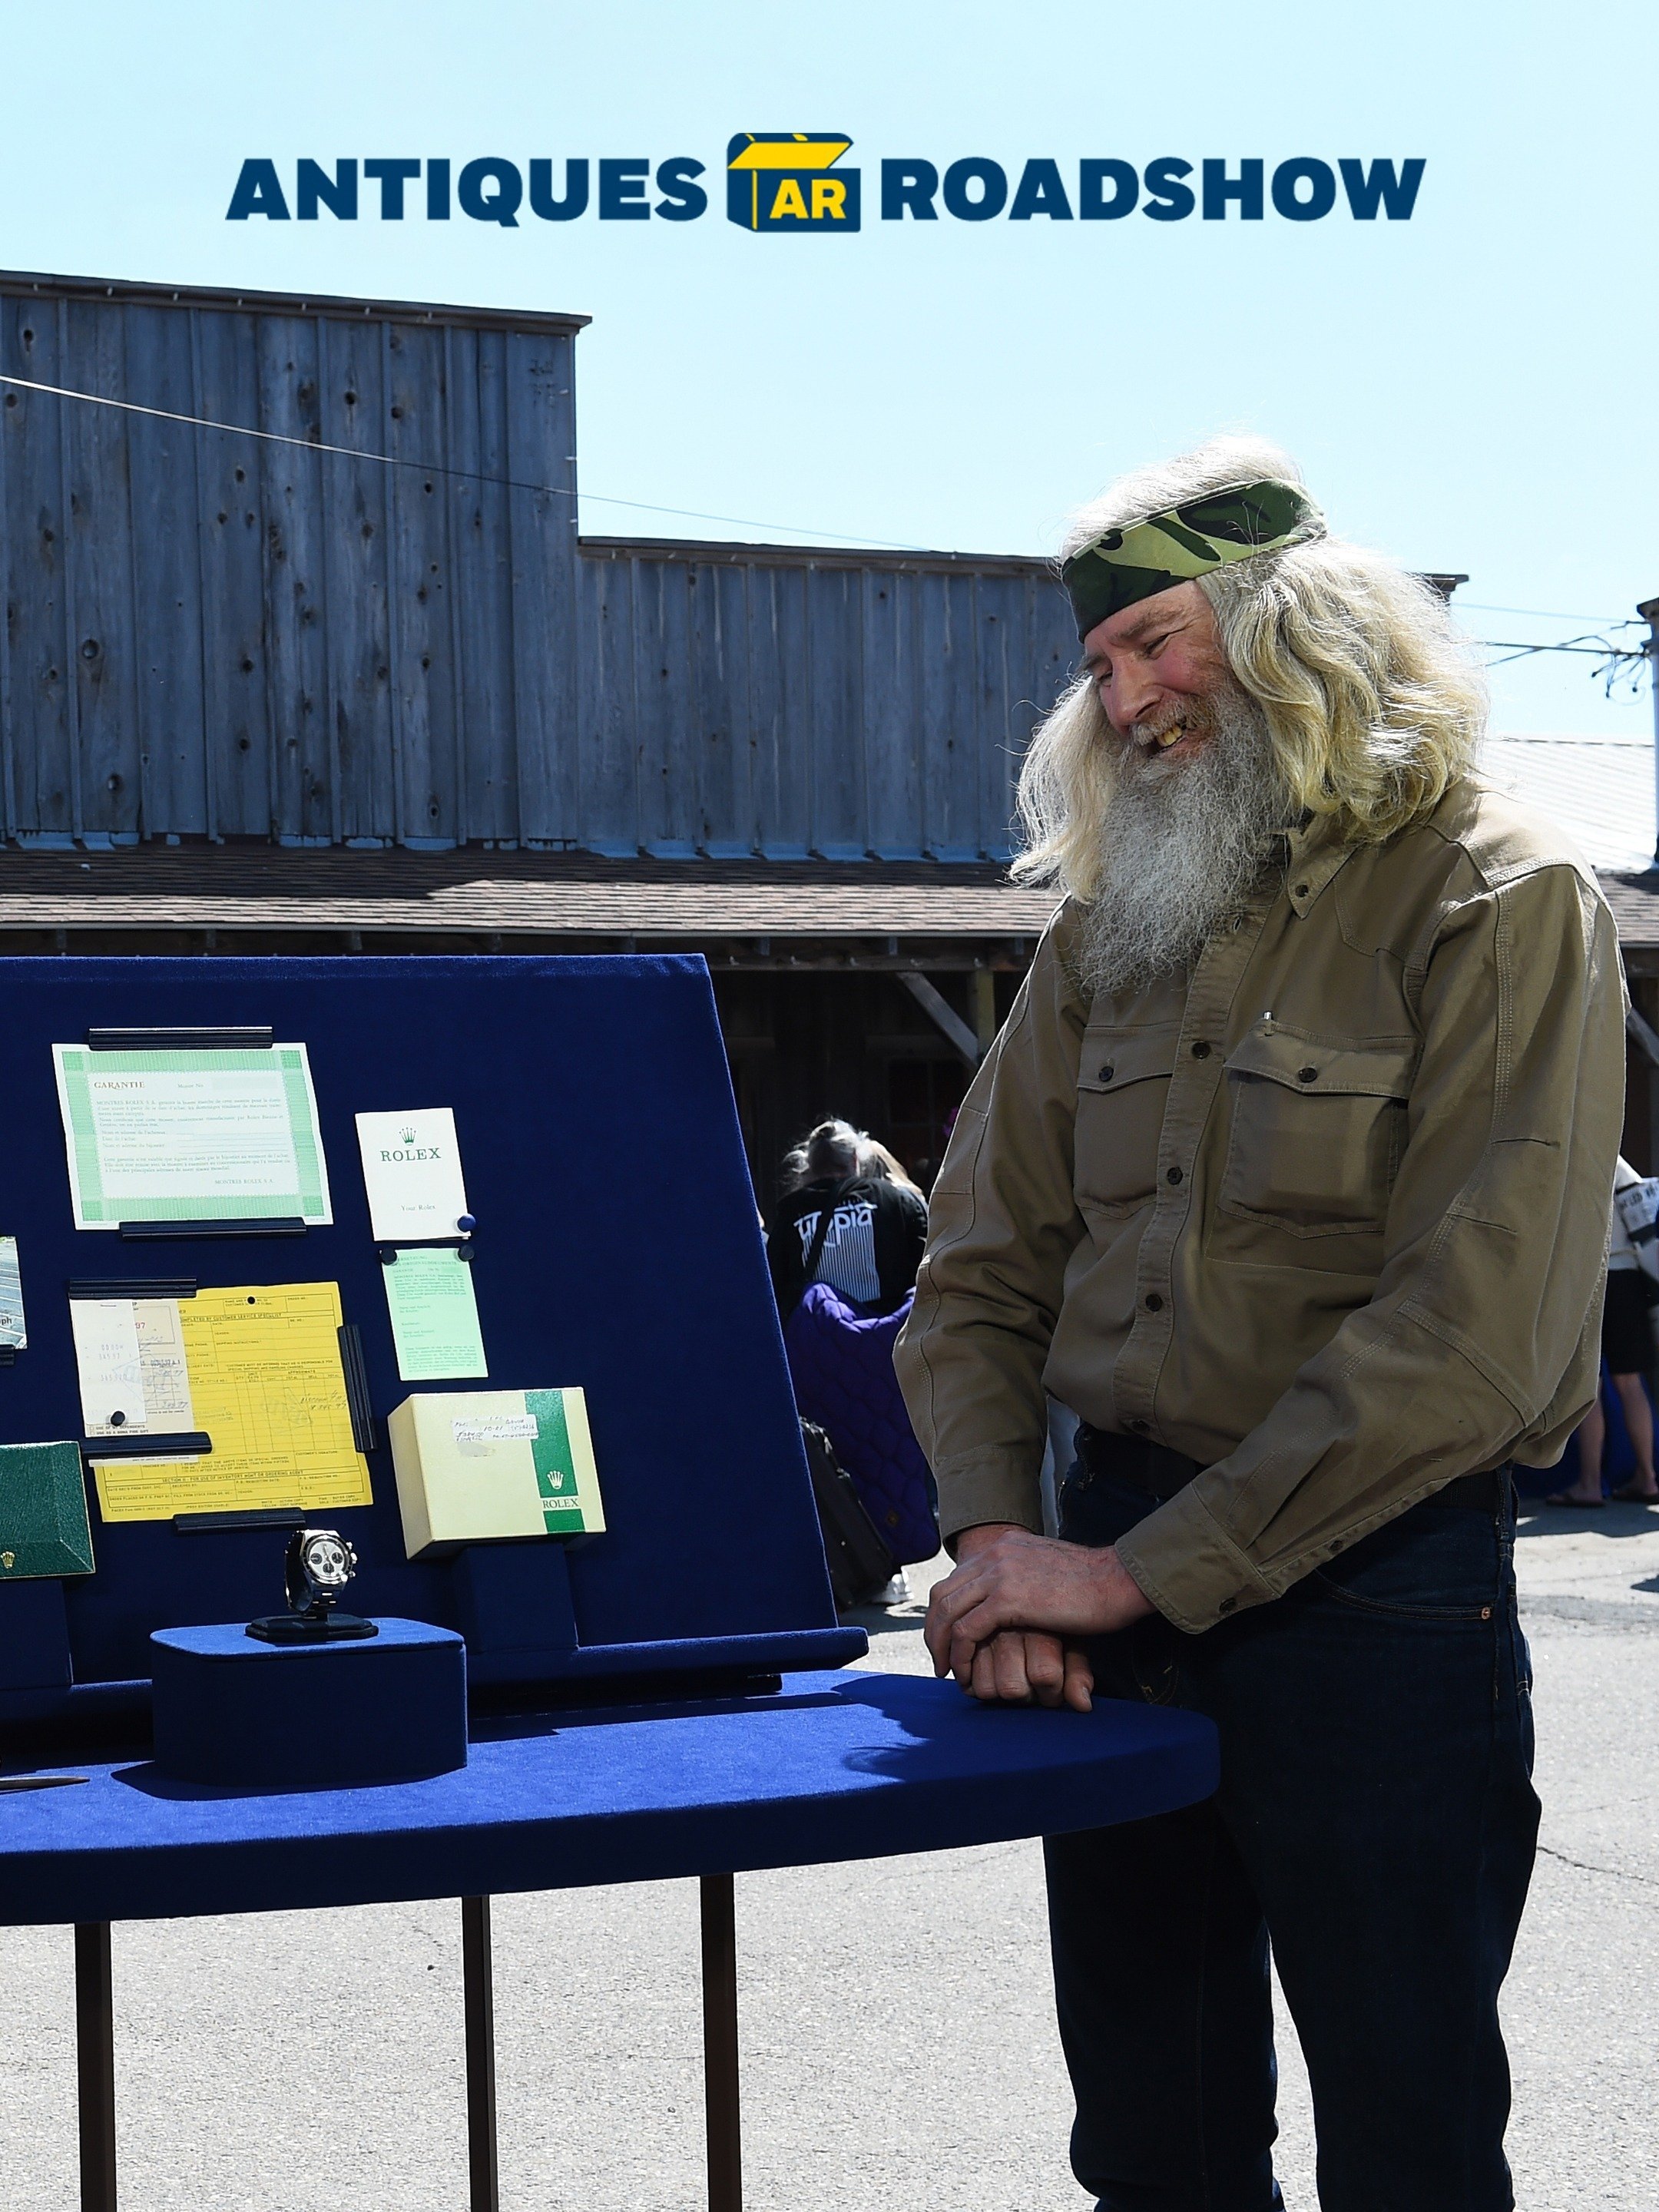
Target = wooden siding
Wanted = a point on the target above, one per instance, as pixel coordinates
(211, 634)
(772, 699)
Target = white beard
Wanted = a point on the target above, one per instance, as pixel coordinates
(1185, 843)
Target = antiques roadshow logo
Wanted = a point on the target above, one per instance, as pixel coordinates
(792, 184)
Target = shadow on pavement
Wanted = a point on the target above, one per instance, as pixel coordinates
(1615, 1518)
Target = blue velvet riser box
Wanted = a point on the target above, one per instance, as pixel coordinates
(234, 1713)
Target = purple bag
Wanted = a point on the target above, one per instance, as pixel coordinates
(843, 1366)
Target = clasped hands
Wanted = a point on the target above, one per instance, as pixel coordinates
(1007, 1622)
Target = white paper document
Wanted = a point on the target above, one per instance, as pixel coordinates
(14, 1335)
(412, 1170)
(130, 1356)
(169, 1135)
(107, 1354)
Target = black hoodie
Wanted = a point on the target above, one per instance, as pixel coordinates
(872, 1249)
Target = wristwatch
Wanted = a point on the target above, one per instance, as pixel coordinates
(316, 1567)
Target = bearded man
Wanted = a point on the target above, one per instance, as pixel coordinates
(1290, 1174)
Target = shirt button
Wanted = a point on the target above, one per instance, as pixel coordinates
(1105, 1075)
(1228, 1605)
(1154, 1303)
(1139, 1427)
(1174, 1176)
(1301, 890)
(1200, 1050)
(1307, 1075)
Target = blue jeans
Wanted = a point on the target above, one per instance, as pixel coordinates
(1376, 1823)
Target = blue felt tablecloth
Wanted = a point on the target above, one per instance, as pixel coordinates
(839, 1766)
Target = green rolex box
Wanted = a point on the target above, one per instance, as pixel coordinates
(44, 1529)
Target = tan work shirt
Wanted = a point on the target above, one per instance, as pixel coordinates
(1328, 1215)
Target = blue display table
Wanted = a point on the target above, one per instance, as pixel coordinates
(582, 1089)
(834, 1766)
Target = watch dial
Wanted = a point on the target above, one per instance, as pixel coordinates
(328, 1561)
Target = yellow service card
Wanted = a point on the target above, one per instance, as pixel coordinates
(266, 1384)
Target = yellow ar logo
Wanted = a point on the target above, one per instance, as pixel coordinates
(829, 200)
(776, 180)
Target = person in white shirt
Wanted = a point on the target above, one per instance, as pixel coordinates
(1628, 1347)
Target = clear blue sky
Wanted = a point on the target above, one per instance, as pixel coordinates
(1471, 389)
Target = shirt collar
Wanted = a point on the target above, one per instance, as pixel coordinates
(1315, 853)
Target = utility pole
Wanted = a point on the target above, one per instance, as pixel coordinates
(1649, 610)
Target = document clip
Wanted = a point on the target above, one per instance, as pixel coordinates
(460, 1245)
(146, 1231)
(194, 1444)
(356, 1384)
(158, 1286)
(209, 1524)
(242, 1039)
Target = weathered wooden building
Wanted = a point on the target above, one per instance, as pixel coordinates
(302, 649)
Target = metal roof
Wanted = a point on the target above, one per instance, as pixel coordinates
(1599, 790)
(440, 315)
(715, 552)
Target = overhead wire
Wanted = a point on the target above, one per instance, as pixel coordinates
(1617, 663)
(1549, 614)
(1513, 650)
(1612, 656)
(439, 468)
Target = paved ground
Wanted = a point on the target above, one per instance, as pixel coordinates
(897, 2042)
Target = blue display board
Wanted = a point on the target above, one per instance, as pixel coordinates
(618, 1246)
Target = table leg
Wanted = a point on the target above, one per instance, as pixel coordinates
(720, 2044)
(479, 1983)
(94, 2055)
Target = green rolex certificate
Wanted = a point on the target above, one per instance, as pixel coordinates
(434, 1315)
(173, 1135)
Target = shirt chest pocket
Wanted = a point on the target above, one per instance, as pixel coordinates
(1123, 1087)
(1318, 1125)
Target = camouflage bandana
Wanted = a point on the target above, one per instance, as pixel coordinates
(1124, 566)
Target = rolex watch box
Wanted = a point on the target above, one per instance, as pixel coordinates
(44, 1527)
(479, 1466)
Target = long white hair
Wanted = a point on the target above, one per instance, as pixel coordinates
(1373, 703)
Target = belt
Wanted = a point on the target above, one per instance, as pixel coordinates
(1160, 1472)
